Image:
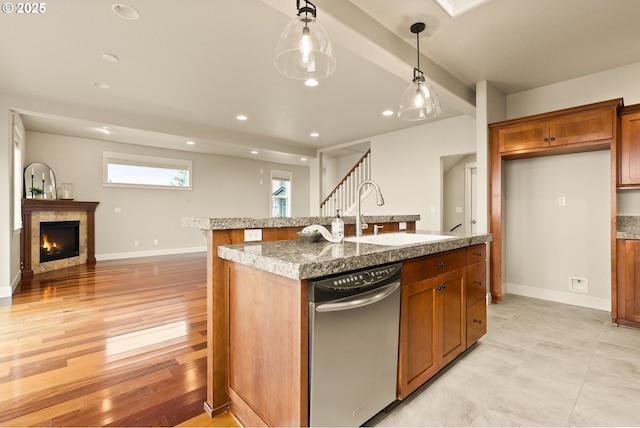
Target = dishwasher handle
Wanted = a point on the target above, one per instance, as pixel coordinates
(359, 300)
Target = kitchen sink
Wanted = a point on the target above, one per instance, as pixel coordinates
(397, 239)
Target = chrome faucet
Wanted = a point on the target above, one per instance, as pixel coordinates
(360, 224)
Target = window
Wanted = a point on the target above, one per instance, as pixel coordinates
(126, 170)
(18, 138)
(281, 193)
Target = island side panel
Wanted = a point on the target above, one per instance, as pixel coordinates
(217, 322)
(268, 353)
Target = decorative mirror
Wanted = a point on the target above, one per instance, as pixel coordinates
(39, 182)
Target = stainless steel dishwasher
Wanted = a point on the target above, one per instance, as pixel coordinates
(353, 345)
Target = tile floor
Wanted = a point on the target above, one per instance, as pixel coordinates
(540, 364)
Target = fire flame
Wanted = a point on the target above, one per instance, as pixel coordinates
(48, 246)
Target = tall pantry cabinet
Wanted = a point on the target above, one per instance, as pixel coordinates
(626, 298)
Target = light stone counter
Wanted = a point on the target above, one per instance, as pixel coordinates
(207, 223)
(302, 260)
(628, 227)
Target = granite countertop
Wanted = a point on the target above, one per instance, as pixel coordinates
(628, 227)
(207, 223)
(302, 260)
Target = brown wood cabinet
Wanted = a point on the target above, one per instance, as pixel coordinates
(628, 295)
(578, 128)
(629, 152)
(475, 293)
(432, 317)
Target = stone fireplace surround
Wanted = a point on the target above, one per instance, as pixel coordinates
(36, 210)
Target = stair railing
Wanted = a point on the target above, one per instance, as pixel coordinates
(343, 197)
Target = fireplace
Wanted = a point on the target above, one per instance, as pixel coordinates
(40, 213)
(59, 240)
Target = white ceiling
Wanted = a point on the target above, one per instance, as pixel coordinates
(188, 68)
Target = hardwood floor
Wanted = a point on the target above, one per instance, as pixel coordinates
(122, 343)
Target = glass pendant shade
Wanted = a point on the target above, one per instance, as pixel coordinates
(304, 50)
(419, 101)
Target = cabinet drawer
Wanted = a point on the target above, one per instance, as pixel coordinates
(422, 268)
(476, 254)
(476, 287)
(476, 322)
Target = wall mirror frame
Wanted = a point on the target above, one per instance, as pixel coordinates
(39, 182)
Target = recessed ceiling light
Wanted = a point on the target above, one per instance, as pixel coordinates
(241, 117)
(311, 82)
(100, 85)
(106, 130)
(387, 113)
(125, 11)
(191, 143)
(254, 152)
(303, 159)
(314, 134)
(110, 58)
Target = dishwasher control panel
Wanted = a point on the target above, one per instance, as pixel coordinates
(355, 281)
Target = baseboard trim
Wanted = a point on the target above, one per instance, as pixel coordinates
(600, 303)
(150, 253)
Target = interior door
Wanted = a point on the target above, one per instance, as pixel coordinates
(471, 198)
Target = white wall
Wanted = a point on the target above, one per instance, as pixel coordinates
(406, 166)
(545, 243)
(619, 82)
(222, 187)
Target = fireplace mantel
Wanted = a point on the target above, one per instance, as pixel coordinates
(30, 206)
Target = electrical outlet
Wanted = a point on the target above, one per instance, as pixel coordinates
(562, 201)
(136, 243)
(117, 210)
(402, 225)
(251, 235)
(155, 242)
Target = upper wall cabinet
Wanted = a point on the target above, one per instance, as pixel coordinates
(629, 153)
(564, 130)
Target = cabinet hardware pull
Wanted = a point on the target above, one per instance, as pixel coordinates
(545, 140)
(478, 282)
(477, 320)
(441, 264)
(553, 138)
(479, 254)
(441, 287)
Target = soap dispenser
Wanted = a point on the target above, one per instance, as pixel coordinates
(337, 227)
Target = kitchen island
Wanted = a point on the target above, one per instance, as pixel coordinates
(224, 231)
(442, 313)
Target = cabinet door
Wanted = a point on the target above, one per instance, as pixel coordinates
(451, 316)
(629, 299)
(417, 361)
(581, 128)
(629, 156)
(531, 135)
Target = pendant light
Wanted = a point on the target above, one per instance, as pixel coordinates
(419, 101)
(304, 50)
